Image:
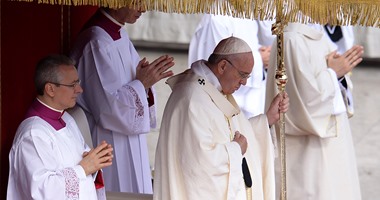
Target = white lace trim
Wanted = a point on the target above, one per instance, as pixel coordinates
(139, 114)
(72, 184)
(139, 105)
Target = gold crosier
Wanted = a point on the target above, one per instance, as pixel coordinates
(281, 79)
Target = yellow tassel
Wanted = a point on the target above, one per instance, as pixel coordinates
(335, 12)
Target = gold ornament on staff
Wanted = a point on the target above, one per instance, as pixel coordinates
(281, 79)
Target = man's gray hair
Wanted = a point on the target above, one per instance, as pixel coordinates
(47, 70)
(215, 58)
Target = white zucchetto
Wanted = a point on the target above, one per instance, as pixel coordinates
(231, 45)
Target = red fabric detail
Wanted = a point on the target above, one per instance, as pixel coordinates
(150, 97)
(99, 182)
(51, 116)
(99, 19)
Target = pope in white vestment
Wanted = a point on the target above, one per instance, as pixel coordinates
(214, 28)
(114, 101)
(320, 157)
(195, 158)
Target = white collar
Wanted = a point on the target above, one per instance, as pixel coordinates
(201, 69)
(49, 106)
(330, 29)
(111, 18)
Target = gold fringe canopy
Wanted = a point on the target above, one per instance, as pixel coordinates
(335, 12)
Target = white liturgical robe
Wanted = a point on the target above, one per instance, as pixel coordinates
(320, 157)
(195, 158)
(44, 162)
(115, 102)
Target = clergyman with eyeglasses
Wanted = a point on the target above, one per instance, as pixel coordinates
(49, 158)
(207, 148)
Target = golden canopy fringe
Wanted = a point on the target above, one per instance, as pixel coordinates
(338, 12)
(335, 12)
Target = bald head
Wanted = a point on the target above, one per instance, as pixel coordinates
(230, 46)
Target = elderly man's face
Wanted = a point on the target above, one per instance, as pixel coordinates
(68, 88)
(236, 73)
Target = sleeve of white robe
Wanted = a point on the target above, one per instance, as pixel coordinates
(40, 176)
(312, 89)
(118, 105)
(347, 95)
(264, 151)
(265, 35)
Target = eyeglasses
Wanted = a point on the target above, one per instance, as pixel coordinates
(243, 75)
(73, 85)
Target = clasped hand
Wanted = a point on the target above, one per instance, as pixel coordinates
(342, 64)
(242, 141)
(97, 158)
(151, 73)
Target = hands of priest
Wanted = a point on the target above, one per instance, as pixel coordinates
(280, 104)
(342, 64)
(97, 158)
(151, 73)
(242, 141)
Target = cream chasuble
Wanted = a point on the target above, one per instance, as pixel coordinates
(320, 157)
(195, 158)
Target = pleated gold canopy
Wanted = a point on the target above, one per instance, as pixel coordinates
(336, 12)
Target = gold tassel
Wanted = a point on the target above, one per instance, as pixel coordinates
(335, 12)
(248, 193)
